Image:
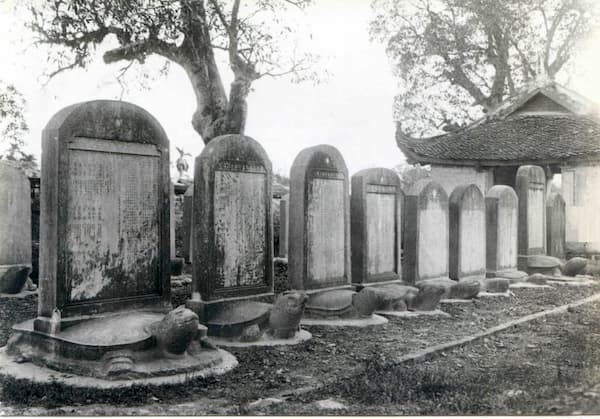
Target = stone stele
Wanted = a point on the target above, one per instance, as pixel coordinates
(104, 262)
(531, 190)
(232, 254)
(426, 242)
(502, 213)
(319, 240)
(15, 228)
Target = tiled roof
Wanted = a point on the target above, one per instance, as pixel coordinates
(543, 138)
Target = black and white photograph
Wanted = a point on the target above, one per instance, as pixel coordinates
(299, 208)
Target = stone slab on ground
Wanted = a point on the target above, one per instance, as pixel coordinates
(362, 322)
(22, 294)
(528, 285)
(413, 314)
(301, 336)
(485, 294)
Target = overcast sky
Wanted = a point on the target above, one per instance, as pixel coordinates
(352, 110)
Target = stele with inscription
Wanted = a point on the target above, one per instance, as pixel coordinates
(467, 233)
(318, 247)
(376, 226)
(104, 307)
(232, 249)
(501, 233)
(426, 232)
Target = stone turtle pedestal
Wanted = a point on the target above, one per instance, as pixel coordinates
(319, 240)
(126, 345)
(104, 307)
(232, 246)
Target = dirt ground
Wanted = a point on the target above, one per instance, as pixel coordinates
(546, 366)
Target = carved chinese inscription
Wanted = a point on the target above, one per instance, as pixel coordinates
(240, 225)
(325, 226)
(381, 228)
(112, 228)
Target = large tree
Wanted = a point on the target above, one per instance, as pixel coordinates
(459, 58)
(13, 129)
(255, 40)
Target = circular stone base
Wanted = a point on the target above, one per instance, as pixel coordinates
(22, 294)
(572, 282)
(527, 285)
(301, 336)
(362, 322)
(409, 314)
(43, 375)
(456, 301)
(485, 294)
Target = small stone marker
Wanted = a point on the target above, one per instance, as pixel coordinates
(104, 242)
(284, 226)
(376, 226)
(232, 236)
(502, 206)
(531, 190)
(555, 218)
(319, 242)
(425, 232)
(15, 228)
(467, 233)
(188, 200)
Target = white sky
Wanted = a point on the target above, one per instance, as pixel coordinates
(352, 110)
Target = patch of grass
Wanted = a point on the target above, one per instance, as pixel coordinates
(55, 394)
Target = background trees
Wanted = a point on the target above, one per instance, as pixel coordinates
(13, 128)
(458, 58)
(190, 33)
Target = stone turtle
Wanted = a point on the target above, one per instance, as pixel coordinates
(176, 331)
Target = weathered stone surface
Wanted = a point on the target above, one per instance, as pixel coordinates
(15, 228)
(232, 236)
(284, 225)
(547, 265)
(465, 289)
(501, 204)
(251, 333)
(395, 297)
(285, 316)
(556, 225)
(426, 232)
(229, 320)
(319, 224)
(496, 285)
(575, 266)
(176, 330)
(104, 237)
(427, 298)
(13, 278)
(188, 201)
(177, 266)
(531, 190)
(376, 226)
(342, 304)
(467, 232)
(537, 279)
(366, 301)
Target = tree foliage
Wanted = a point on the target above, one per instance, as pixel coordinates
(13, 129)
(252, 35)
(459, 58)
